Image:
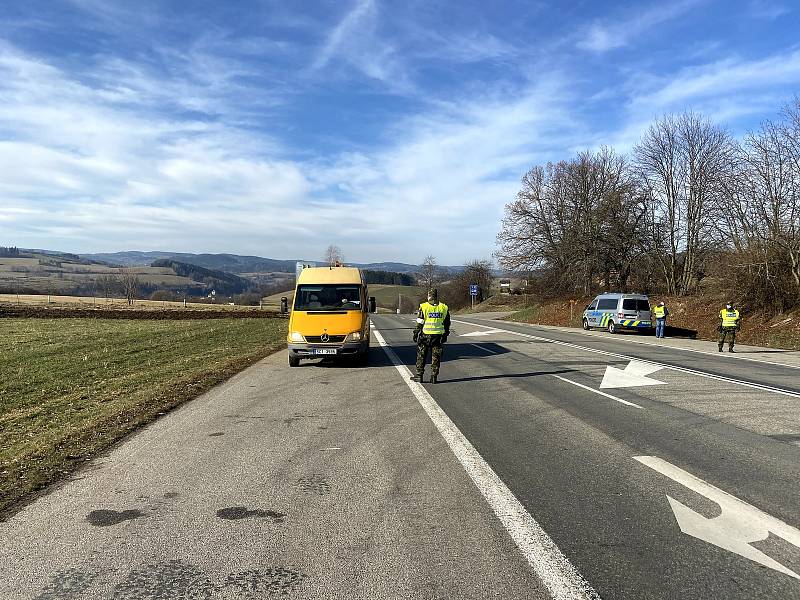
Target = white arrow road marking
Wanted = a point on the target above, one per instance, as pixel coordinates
(480, 333)
(634, 375)
(755, 386)
(739, 525)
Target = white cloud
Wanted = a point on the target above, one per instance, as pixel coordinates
(357, 42)
(722, 78)
(99, 164)
(601, 37)
(765, 9)
(346, 28)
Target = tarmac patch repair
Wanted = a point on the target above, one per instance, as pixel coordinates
(234, 513)
(105, 518)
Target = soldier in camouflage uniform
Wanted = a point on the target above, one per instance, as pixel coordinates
(433, 327)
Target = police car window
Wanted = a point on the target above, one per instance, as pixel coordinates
(592, 306)
(607, 304)
(642, 304)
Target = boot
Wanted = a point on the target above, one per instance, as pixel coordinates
(417, 377)
(730, 349)
(433, 378)
(720, 348)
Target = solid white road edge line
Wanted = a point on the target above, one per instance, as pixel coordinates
(555, 571)
(586, 387)
(757, 386)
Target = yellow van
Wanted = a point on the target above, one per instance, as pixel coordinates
(330, 315)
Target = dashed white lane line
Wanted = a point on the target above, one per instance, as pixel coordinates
(586, 387)
(757, 386)
(555, 571)
(485, 349)
(724, 355)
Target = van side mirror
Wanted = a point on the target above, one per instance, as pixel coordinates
(373, 305)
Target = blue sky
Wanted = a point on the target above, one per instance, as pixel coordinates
(392, 129)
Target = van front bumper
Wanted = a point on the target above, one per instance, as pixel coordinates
(313, 350)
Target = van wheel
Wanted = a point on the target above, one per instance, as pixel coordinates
(611, 327)
(586, 324)
(294, 361)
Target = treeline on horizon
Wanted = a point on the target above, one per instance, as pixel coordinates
(689, 209)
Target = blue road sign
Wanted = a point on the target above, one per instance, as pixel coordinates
(473, 290)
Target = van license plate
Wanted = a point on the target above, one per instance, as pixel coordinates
(325, 351)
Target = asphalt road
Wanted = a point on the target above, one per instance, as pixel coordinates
(517, 476)
(568, 453)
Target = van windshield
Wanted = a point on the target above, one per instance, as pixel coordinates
(635, 304)
(343, 296)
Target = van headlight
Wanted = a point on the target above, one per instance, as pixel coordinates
(296, 336)
(355, 336)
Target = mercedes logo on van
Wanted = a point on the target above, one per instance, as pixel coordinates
(324, 337)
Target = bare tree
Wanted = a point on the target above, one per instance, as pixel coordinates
(456, 292)
(333, 256)
(761, 214)
(575, 222)
(681, 160)
(107, 284)
(129, 282)
(430, 274)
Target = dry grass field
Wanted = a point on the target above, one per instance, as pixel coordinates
(71, 387)
(54, 274)
(117, 303)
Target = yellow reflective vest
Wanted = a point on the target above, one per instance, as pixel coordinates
(434, 316)
(730, 318)
(660, 312)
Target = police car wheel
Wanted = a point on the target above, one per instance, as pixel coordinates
(294, 361)
(586, 324)
(611, 327)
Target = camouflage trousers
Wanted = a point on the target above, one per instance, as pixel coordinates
(432, 344)
(729, 333)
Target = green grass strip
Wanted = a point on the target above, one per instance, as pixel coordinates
(70, 388)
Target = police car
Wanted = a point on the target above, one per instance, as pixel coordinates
(618, 311)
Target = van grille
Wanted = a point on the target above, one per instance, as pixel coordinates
(333, 339)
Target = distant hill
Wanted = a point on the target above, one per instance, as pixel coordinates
(235, 263)
(224, 283)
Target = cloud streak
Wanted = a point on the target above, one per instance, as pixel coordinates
(601, 37)
(392, 132)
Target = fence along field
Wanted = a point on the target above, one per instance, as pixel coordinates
(71, 387)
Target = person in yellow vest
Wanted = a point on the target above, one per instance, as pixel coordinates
(729, 323)
(661, 313)
(433, 327)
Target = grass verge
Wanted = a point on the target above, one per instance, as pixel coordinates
(694, 313)
(70, 388)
